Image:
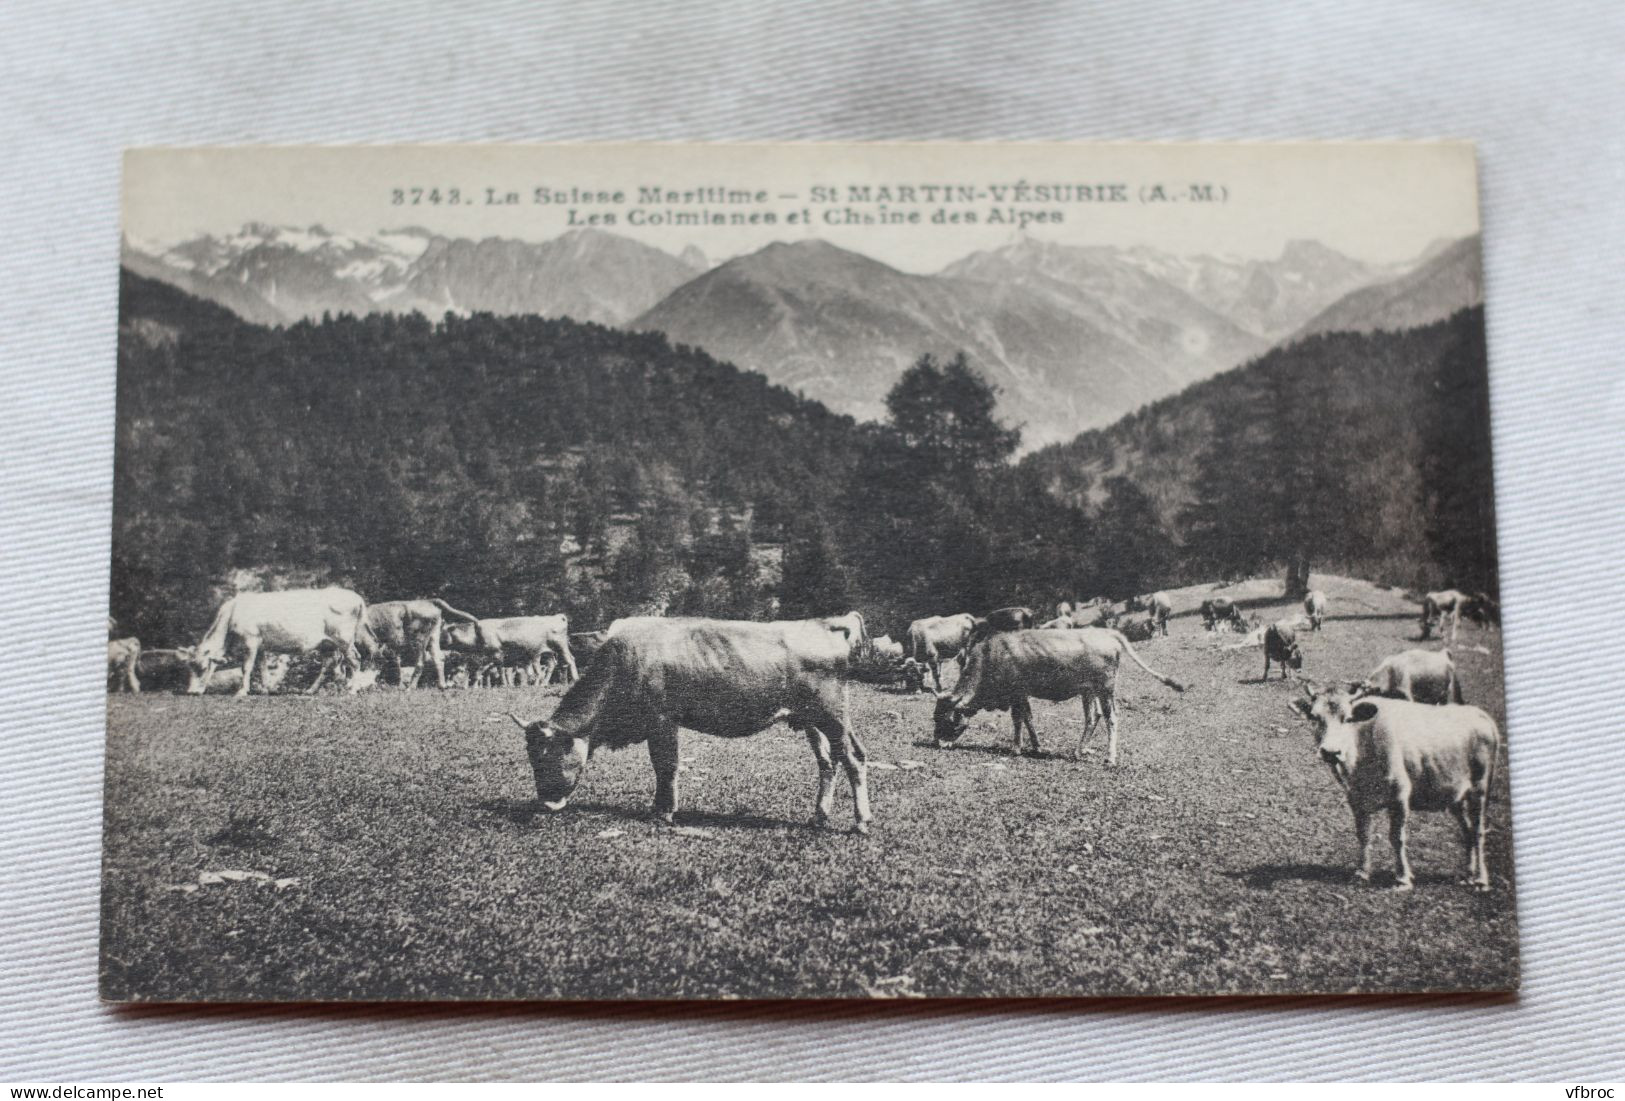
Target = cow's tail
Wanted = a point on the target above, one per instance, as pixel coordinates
(1163, 677)
(447, 609)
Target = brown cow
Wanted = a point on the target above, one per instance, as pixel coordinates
(1281, 644)
(1002, 674)
(934, 638)
(722, 677)
(410, 629)
(517, 645)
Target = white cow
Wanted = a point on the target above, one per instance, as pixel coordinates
(294, 622)
(1400, 756)
(1426, 676)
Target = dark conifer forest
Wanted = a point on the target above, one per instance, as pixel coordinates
(516, 465)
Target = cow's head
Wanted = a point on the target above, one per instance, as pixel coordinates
(199, 671)
(557, 761)
(1333, 712)
(949, 720)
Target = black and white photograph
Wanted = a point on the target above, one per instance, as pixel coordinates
(830, 571)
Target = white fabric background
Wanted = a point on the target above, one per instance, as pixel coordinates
(1540, 85)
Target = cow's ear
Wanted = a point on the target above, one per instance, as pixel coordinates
(1300, 707)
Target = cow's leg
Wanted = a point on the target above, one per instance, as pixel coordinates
(663, 752)
(131, 681)
(1461, 811)
(1108, 709)
(321, 675)
(830, 716)
(1027, 720)
(1266, 662)
(1478, 802)
(248, 668)
(436, 659)
(936, 672)
(826, 775)
(561, 651)
(1088, 725)
(1398, 812)
(1015, 729)
(1362, 831)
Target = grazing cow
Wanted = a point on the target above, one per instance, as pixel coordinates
(886, 649)
(722, 677)
(1002, 673)
(936, 637)
(521, 642)
(1484, 610)
(1450, 604)
(1424, 676)
(1221, 613)
(1106, 615)
(1281, 645)
(1000, 619)
(293, 622)
(1140, 630)
(123, 657)
(1160, 608)
(1314, 606)
(410, 629)
(1400, 756)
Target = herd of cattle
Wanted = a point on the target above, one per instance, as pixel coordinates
(1399, 740)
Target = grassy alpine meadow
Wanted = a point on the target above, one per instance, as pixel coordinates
(404, 856)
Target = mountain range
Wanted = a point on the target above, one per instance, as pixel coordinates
(279, 274)
(1074, 336)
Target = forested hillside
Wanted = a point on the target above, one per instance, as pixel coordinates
(516, 465)
(507, 464)
(1367, 454)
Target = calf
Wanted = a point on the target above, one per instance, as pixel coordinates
(1314, 606)
(1281, 645)
(722, 677)
(1424, 676)
(1400, 756)
(1003, 672)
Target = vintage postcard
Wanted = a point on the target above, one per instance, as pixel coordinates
(781, 571)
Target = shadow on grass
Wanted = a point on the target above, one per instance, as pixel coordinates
(996, 749)
(525, 812)
(1265, 877)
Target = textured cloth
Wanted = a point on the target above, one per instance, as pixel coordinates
(1540, 87)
